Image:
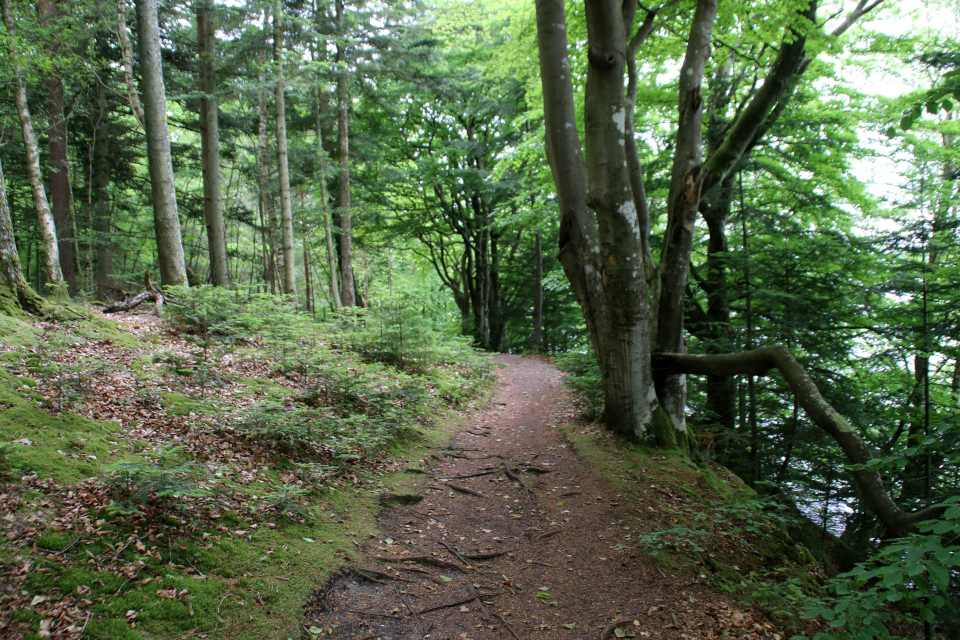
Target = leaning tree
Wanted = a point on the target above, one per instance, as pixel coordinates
(633, 306)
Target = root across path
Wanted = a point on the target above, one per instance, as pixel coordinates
(516, 538)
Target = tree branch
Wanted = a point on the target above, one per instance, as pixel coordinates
(760, 361)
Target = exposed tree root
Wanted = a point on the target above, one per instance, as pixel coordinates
(443, 564)
(467, 490)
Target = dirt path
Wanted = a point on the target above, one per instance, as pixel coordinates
(515, 538)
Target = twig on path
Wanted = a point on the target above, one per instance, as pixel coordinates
(487, 610)
(516, 478)
(446, 605)
(426, 574)
(416, 618)
(467, 490)
(361, 612)
(453, 551)
(549, 534)
(487, 472)
(609, 630)
(486, 556)
(443, 564)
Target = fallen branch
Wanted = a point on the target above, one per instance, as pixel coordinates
(467, 490)
(549, 534)
(486, 556)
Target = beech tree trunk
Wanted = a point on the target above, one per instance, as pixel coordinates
(11, 273)
(166, 220)
(287, 265)
(347, 286)
(210, 145)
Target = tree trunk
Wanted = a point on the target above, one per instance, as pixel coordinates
(288, 266)
(59, 164)
(325, 212)
(15, 285)
(210, 144)
(348, 295)
(48, 229)
(267, 205)
(173, 268)
(101, 191)
(601, 250)
(126, 52)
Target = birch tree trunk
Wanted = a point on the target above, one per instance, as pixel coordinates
(48, 228)
(210, 145)
(347, 289)
(166, 220)
(287, 265)
(11, 273)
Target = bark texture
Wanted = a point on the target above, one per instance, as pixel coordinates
(166, 220)
(210, 145)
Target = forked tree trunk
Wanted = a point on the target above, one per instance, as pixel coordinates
(48, 229)
(288, 266)
(347, 289)
(11, 274)
(166, 220)
(210, 145)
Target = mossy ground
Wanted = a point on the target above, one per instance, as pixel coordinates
(238, 562)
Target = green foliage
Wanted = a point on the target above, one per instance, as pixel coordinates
(136, 485)
(583, 375)
(913, 579)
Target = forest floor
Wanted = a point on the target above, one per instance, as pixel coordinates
(515, 536)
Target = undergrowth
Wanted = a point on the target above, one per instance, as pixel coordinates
(203, 476)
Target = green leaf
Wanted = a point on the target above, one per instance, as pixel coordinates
(446, 579)
(906, 123)
(938, 575)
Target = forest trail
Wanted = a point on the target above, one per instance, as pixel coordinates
(516, 538)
